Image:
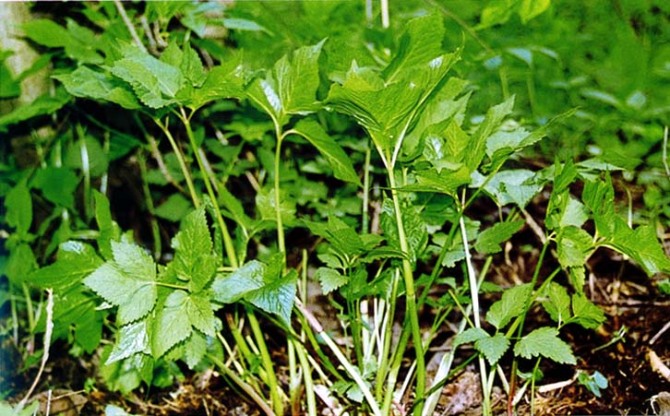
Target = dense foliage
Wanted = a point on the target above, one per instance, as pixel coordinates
(193, 167)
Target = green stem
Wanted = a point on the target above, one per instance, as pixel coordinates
(227, 240)
(281, 242)
(272, 383)
(365, 222)
(155, 231)
(474, 295)
(408, 278)
(387, 337)
(170, 285)
(180, 159)
(244, 386)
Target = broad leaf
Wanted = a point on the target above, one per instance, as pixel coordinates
(128, 281)
(586, 313)
(493, 347)
(330, 279)
(130, 339)
(172, 323)
(338, 160)
(290, 87)
(545, 342)
(194, 260)
(557, 304)
(76, 260)
(86, 83)
(19, 207)
(574, 246)
(488, 242)
(511, 305)
(155, 83)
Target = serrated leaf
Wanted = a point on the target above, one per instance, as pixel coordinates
(195, 350)
(20, 264)
(337, 159)
(290, 88)
(470, 335)
(641, 245)
(128, 281)
(76, 260)
(416, 231)
(231, 288)
(586, 313)
(574, 246)
(172, 324)
(155, 83)
(276, 297)
(598, 196)
(86, 83)
(476, 148)
(330, 279)
(557, 304)
(516, 186)
(545, 342)
(199, 311)
(223, 81)
(493, 347)
(194, 259)
(511, 305)
(130, 339)
(488, 241)
(46, 32)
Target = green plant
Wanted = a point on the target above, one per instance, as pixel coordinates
(381, 153)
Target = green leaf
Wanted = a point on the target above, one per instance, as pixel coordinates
(330, 279)
(200, 313)
(574, 246)
(194, 259)
(19, 207)
(598, 196)
(86, 83)
(195, 349)
(44, 104)
(76, 260)
(223, 81)
(545, 342)
(530, 9)
(416, 231)
(557, 304)
(517, 186)
(128, 282)
(290, 87)
(109, 230)
(476, 148)
(172, 324)
(58, 185)
(493, 347)
(641, 245)
(130, 339)
(338, 160)
(174, 208)
(261, 285)
(488, 242)
(276, 297)
(511, 305)
(155, 83)
(470, 335)
(21, 263)
(46, 32)
(586, 313)
(127, 374)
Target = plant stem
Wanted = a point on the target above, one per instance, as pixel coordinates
(272, 383)
(408, 278)
(281, 242)
(365, 221)
(227, 240)
(244, 386)
(180, 160)
(474, 294)
(155, 231)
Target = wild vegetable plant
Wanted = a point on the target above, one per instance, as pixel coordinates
(245, 156)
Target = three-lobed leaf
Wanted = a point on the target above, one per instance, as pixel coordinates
(546, 343)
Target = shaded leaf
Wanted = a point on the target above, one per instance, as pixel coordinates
(488, 241)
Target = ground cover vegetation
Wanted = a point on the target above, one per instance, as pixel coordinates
(334, 207)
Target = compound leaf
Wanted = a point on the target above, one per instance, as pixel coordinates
(545, 342)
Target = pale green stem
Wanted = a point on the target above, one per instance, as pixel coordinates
(182, 163)
(365, 222)
(155, 232)
(244, 386)
(408, 277)
(272, 383)
(227, 240)
(281, 242)
(474, 294)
